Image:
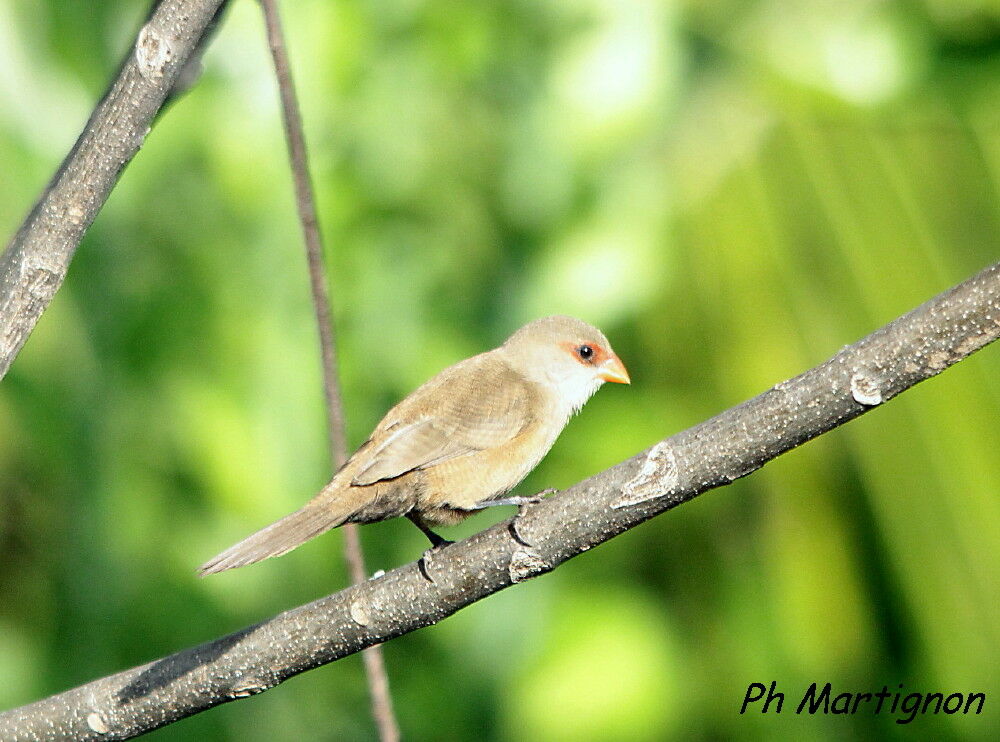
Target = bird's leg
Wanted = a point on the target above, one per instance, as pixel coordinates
(437, 542)
(519, 500)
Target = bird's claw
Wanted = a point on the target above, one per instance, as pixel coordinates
(523, 503)
(424, 563)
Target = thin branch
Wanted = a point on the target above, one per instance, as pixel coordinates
(859, 378)
(35, 261)
(378, 680)
(306, 205)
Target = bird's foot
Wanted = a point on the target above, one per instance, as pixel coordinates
(519, 500)
(426, 559)
(513, 500)
(436, 540)
(523, 503)
(437, 543)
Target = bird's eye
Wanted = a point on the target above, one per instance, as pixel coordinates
(585, 352)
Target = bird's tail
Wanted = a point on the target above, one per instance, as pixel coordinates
(315, 517)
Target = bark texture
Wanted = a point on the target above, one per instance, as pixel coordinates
(34, 264)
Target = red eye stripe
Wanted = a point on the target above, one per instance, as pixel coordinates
(598, 357)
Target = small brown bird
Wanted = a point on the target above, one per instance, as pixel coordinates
(458, 443)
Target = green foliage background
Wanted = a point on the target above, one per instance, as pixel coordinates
(731, 189)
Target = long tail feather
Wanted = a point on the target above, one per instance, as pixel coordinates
(280, 537)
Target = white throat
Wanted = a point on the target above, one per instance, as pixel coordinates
(573, 390)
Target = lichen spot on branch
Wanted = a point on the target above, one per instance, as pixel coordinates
(96, 722)
(656, 477)
(865, 389)
(359, 613)
(153, 53)
(248, 686)
(526, 563)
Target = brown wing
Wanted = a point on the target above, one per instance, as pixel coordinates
(475, 405)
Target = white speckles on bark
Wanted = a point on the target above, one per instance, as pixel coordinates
(50, 234)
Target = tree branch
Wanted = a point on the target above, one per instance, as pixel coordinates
(859, 378)
(34, 264)
(378, 680)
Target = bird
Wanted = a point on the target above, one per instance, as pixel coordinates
(457, 444)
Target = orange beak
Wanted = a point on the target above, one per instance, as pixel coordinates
(613, 370)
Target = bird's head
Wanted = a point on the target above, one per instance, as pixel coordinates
(567, 355)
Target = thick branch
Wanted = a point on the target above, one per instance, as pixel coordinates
(35, 261)
(858, 378)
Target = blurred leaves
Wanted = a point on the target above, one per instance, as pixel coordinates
(731, 189)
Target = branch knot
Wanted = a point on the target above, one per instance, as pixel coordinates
(153, 52)
(525, 564)
(656, 477)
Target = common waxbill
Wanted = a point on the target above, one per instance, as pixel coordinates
(458, 443)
